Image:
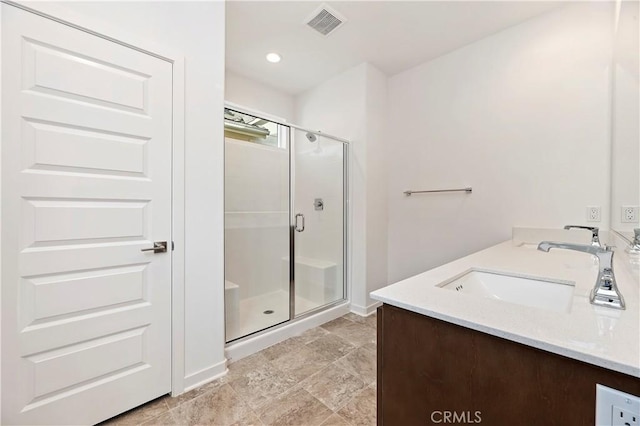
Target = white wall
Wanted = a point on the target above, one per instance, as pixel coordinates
(379, 144)
(258, 96)
(522, 116)
(196, 29)
(351, 105)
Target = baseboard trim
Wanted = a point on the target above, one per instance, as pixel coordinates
(205, 376)
(242, 349)
(365, 311)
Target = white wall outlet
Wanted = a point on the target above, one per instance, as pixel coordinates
(615, 408)
(622, 417)
(593, 213)
(629, 214)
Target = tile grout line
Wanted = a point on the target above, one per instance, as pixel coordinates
(302, 383)
(350, 399)
(245, 403)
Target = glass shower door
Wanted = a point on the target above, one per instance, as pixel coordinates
(257, 225)
(318, 209)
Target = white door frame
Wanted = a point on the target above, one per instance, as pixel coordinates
(122, 36)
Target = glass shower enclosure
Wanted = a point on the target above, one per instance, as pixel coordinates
(285, 198)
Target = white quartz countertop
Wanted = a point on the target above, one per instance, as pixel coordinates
(601, 336)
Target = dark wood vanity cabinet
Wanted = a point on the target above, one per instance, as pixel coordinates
(434, 372)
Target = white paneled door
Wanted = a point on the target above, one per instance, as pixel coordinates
(86, 185)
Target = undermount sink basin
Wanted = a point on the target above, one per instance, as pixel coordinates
(536, 292)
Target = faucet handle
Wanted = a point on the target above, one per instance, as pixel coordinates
(634, 247)
(593, 229)
(595, 239)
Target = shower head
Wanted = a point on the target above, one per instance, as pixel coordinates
(311, 137)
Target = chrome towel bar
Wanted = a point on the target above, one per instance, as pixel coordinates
(468, 190)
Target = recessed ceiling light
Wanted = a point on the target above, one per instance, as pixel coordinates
(273, 57)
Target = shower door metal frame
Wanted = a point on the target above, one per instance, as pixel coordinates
(292, 224)
(292, 227)
(346, 217)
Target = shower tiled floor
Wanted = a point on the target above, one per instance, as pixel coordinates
(326, 376)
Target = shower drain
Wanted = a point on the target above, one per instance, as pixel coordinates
(268, 311)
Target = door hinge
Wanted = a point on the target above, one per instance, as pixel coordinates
(173, 246)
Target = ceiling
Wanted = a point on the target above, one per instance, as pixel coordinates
(391, 35)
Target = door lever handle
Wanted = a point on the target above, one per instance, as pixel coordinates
(158, 247)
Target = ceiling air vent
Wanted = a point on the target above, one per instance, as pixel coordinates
(325, 20)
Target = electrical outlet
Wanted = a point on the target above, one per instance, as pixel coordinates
(629, 214)
(615, 408)
(593, 213)
(622, 417)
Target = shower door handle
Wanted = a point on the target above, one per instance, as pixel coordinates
(299, 229)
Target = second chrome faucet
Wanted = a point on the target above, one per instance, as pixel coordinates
(595, 238)
(605, 291)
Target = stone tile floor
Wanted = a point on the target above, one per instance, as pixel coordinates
(325, 376)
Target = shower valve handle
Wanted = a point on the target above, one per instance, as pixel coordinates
(299, 229)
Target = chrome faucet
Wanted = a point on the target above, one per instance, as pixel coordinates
(605, 292)
(595, 239)
(634, 247)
